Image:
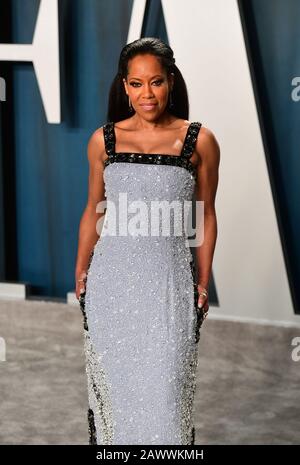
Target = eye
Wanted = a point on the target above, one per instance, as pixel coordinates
(159, 81)
(137, 84)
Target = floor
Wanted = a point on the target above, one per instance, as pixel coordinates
(247, 382)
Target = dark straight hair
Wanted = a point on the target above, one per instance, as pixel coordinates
(118, 108)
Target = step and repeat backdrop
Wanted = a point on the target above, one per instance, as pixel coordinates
(241, 63)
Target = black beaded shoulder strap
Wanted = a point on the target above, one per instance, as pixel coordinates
(190, 139)
(109, 138)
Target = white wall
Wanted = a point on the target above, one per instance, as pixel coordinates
(249, 268)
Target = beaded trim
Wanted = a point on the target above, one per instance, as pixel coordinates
(99, 396)
(193, 436)
(91, 428)
(82, 296)
(182, 160)
(90, 414)
(187, 395)
(199, 313)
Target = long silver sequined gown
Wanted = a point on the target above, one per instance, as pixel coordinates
(141, 322)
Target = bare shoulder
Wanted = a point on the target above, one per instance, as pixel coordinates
(97, 138)
(96, 146)
(126, 124)
(207, 146)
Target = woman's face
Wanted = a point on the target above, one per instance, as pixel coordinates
(147, 86)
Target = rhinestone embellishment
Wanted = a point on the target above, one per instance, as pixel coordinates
(98, 389)
(141, 323)
(100, 423)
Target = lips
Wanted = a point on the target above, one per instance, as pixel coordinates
(148, 106)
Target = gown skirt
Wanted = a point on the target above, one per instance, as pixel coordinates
(141, 320)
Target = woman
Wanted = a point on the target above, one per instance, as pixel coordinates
(141, 301)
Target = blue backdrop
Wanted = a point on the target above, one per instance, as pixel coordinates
(51, 161)
(50, 169)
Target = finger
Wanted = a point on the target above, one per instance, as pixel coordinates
(201, 302)
(79, 291)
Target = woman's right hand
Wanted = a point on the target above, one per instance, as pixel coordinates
(80, 283)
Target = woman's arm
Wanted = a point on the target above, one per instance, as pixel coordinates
(208, 151)
(88, 236)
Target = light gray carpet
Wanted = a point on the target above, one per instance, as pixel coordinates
(248, 386)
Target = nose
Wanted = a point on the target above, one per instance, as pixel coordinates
(147, 91)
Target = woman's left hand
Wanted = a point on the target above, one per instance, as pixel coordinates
(203, 299)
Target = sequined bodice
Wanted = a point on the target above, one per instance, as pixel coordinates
(136, 178)
(182, 160)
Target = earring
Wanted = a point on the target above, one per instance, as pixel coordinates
(129, 104)
(171, 104)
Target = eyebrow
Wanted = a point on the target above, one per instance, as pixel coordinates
(138, 79)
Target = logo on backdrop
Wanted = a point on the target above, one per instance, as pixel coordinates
(44, 54)
(295, 94)
(296, 351)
